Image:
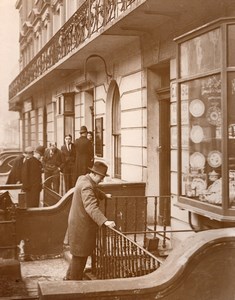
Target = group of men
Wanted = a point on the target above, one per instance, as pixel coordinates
(76, 161)
(73, 160)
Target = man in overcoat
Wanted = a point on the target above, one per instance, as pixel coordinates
(15, 175)
(84, 219)
(84, 154)
(68, 155)
(51, 164)
(32, 177)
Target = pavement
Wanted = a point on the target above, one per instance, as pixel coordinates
(33, 272)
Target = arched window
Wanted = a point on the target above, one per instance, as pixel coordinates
(116, 132)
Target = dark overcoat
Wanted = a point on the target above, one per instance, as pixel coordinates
(15, 173)
(68, 158)
(85, 216)
(84, 156)
(32, 181)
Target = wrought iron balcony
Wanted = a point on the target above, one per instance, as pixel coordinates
(90, 18)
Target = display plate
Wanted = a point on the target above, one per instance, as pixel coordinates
(197, 108)
(197, 160)
(213, 115)
(199, 184)
(196, 134)
(214, 159)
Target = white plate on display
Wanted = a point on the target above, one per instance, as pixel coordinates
(197, 160)
(196, 134)
(197, 108)
(213, 115)
(199, 184)
(214, 159)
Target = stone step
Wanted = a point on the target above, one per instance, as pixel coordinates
(10, 268)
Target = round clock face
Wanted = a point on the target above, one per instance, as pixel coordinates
(214, 159)
(197, 108)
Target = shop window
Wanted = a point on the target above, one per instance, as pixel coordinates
(201, 154)
(206, 122)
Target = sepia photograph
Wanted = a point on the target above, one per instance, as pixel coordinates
(117, 149)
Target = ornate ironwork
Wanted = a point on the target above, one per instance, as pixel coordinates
(90, 17)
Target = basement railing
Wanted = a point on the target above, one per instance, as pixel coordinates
(89, 19)
(117, 256)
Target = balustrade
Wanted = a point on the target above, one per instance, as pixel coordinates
(117, 256)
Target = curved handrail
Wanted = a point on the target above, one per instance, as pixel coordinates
(6, 162)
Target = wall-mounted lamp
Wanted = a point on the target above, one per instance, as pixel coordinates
(105, 66)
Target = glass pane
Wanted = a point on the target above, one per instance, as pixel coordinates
(231, 45)
(201, 139)
(59, 131)
(68, 103)
(68, 125)
(201, 54)
(231, 137)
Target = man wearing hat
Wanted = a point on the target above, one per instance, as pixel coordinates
(84, 154)
(84, 219)
(32, 177)
(68, 156)
(15, 175)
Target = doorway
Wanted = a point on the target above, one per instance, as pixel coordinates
(164, 155)
(44, 126)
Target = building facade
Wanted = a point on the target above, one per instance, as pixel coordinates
(154, 82)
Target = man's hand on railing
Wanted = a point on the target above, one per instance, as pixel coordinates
(109, 223)
(108, 196)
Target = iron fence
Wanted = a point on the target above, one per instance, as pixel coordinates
(117, 256)
(140, 215)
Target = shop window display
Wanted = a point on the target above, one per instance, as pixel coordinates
(201, 139)
(205, 87)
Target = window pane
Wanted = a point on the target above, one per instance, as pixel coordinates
(201, 139)
(201, 54)
(68, 125)
(231, 136)
(69, 103)
(231, 45)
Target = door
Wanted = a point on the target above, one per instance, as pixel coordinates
(44, 127)
(164, 156)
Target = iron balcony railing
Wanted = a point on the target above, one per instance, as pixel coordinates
(117, 256)
(89, 19)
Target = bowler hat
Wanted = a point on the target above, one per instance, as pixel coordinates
(99, 168)
(83, 129)
(40, 150)
(28, 150)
